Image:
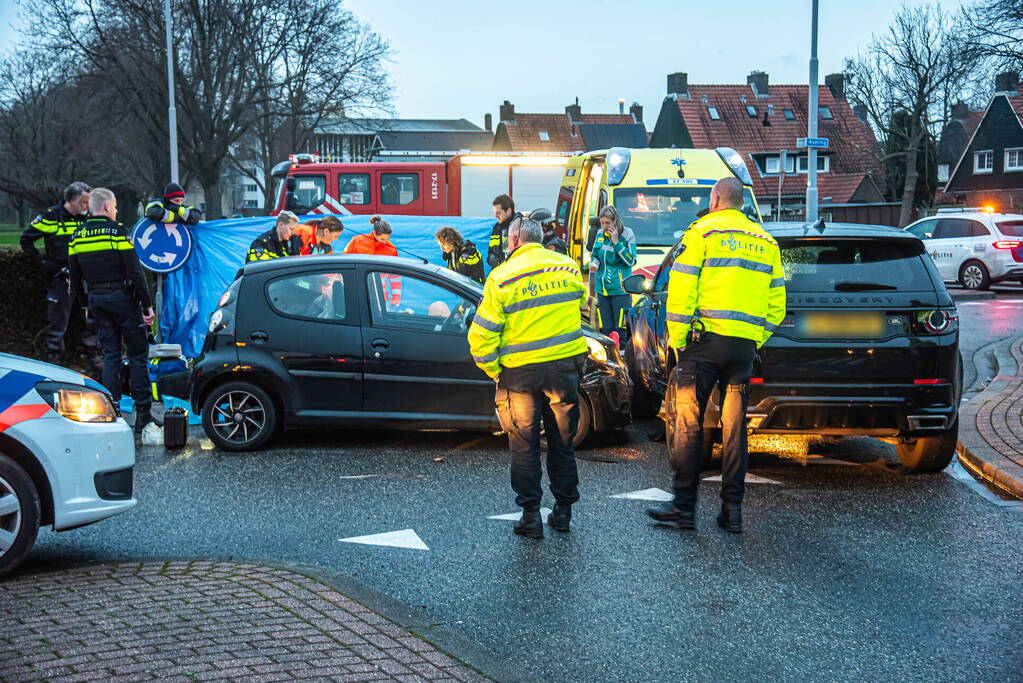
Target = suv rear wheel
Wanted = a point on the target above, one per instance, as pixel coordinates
(239, 416)
(929, 453)
(19, 514)
(645, 403)
(974, 275)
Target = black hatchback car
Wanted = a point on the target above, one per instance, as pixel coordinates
(869, 344)
(362, 342)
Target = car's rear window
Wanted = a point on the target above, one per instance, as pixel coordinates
(822, 265)
(1011, 228)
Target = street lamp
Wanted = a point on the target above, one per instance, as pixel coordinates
(172, 113)
(811, 127)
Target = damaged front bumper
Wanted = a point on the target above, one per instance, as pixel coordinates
(609, 390)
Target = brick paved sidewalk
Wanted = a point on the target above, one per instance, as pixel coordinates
(991, 425)
(196, 620)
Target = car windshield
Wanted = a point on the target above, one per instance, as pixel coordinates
(853, 265)
(655, 214)
(1011, 228)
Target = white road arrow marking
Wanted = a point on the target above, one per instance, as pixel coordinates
(750, 479)
(146, 238)
(516, 516)
(406, 538)
(646, 494)
(173, 231)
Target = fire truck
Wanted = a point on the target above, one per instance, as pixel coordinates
(464, 185)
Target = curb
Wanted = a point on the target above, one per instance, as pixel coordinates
(977, 457)
(971, 295)
(413, 620)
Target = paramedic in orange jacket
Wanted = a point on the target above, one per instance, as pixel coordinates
(317, 235)
(376, 242)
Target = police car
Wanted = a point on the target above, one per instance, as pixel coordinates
(66, 455)
(974, 247)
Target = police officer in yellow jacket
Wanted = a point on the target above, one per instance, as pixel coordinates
(171, 208)
(275, 242)
(527, 336)
(726, 295)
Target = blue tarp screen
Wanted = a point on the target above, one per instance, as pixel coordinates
(191, 292)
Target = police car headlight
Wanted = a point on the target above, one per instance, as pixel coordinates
(77, 403)
(597, 350)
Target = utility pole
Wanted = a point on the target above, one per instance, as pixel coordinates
(811, 127)
(782, 165)
(172, 113)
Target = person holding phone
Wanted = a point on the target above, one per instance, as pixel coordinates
(611, 261)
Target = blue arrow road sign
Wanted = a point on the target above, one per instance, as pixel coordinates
(820, 143)
(162, 247)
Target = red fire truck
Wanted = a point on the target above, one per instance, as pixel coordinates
(464, 185)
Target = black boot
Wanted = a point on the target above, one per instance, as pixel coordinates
(685, 516)
(143, 416)
(730, 518)
(530, 526)
(561, 518)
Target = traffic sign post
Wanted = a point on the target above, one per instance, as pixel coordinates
(813, 143)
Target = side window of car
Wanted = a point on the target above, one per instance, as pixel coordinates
(312, 296)
(977, 229)
(924, 229)
(661, 280)
(409, 303)
(951, 228)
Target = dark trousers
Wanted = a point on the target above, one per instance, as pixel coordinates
(63, 309)
(525, 395)
(119, 320)
(612, 309)
(725, 362)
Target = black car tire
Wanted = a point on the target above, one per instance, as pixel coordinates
(929, 453)
(979, 275)
(645, 403)
(585, 427)
(259, 401)
(23, 521)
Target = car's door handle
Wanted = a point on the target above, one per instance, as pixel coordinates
(259, 336)
(380, 344)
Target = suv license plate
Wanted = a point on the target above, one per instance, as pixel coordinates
(842, 325)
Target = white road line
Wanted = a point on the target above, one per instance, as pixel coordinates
(750, 479)
(646, 494)
(406, 538)
(516, 516)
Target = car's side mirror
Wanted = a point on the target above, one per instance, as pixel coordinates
(291, 201)
(635, 284)
(290, 184)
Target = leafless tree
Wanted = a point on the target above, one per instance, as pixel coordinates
(907, 82)
(995, 32)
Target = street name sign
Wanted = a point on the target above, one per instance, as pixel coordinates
(819, 143)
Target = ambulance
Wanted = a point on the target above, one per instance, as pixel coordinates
(658, 193)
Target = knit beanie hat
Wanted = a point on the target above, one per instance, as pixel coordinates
(172, 191)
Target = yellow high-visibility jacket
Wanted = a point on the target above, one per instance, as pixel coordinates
(530, 311)
(730, 277)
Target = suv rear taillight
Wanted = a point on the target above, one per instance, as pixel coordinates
(940, 321)
(1016, 246)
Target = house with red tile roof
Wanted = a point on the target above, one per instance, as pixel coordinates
(570, 132)
(761, 121)
(989, 172)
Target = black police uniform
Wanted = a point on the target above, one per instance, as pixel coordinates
(162, 211)
(467, 262)
(497, 249)
(103, 261)
(268, 246)
(55, 227)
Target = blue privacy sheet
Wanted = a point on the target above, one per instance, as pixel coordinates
(191, 292)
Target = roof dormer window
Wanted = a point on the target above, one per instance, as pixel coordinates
(545, 136)
(751, 110)
(713, 112)
(789, 115)
(825, 111)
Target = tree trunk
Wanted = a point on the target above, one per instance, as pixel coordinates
(214, 203)
(909, 186)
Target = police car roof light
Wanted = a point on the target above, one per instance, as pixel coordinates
(734, 161)
(618, 159)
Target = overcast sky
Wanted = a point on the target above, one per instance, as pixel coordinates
(462, 58)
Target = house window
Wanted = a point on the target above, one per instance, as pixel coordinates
(544, 136)
(771, 164)
(751, 110)
(942, 173)
(825, 111)
(1014, 159)
(252, 188)
(823, 164)
(251, 204)
(983, 161)
(789, 115)
(714, 115)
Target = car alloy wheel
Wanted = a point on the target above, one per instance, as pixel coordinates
(974, 276)
(238, 417)
(10, 516)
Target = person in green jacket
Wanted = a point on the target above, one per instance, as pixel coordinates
(611, 261)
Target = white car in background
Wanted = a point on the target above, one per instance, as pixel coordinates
(66, 454)
(973, 247)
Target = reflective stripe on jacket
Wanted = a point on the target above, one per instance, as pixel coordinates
(160, 212)
(467, 262)
(530, 311)
(55, 227)
(616, 261)
(730, 277)
(265, 247)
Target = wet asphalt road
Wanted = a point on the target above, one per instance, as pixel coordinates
(847, 569)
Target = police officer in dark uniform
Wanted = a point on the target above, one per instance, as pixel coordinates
(55, 227)
(504, 212)
(172, 209)
(103, 261)
(275, 242)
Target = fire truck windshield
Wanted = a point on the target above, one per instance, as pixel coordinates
(655, 214)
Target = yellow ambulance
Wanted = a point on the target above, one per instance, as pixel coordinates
(658, 193)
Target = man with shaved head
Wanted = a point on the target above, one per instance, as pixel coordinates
(726, 295)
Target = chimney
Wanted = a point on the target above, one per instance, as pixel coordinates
(507, 111)
(574, 112)
(488, 122)
(836, 84)
(637, 112)
(621, 106)
(960, 111)
(1007, 82)
(678, 84)
(861, 112)
(758, 81)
